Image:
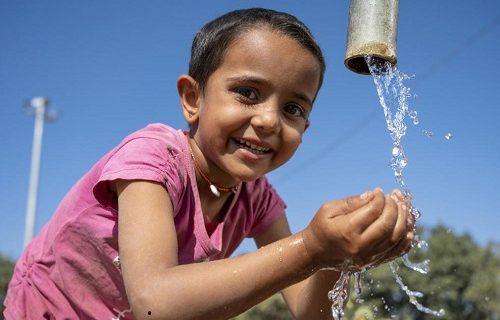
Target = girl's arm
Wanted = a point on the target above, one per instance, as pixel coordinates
(307, 299)
(158, 288)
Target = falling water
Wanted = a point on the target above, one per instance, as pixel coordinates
(339, 295)
(393, 96)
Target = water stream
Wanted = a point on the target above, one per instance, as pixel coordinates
(393, 96)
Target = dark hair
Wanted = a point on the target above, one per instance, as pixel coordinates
(211, 42)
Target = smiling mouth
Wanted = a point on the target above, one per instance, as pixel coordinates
(252, 147)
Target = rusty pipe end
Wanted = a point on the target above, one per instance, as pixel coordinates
(372, 32)
(356, 62)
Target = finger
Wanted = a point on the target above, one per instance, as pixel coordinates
(410, 219)
(364, 216)
(402, 247)
(398, 194)
(401, 226)
(398, 234)
(350, 204)
(381, 230)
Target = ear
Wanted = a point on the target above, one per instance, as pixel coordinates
(190, 98)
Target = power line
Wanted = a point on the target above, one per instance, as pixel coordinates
(461, 47)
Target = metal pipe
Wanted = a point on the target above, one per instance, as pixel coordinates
(373, 28)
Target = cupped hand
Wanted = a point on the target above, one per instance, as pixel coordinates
(359, 231)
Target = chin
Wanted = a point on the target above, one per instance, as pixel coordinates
(248, 176)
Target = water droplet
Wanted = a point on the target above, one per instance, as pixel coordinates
(407, 195)
(422, 267)
(422, 244)
(428, 133)
(403, 162)
(395, 151)
(414, 116)
(416, 213)
(357, 283)
(448, 136)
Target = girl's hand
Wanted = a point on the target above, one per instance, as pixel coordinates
(359, 231)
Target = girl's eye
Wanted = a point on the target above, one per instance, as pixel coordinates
(295, 110)
(248, 93)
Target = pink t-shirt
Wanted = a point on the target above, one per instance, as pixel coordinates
(71, 270)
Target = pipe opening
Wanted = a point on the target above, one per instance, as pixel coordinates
(358, 64)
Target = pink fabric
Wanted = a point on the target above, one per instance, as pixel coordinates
(71, 269)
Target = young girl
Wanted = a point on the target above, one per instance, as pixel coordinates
(148, 232)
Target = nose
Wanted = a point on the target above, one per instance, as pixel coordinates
(266, 120)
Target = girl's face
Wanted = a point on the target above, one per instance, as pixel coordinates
(255, 106)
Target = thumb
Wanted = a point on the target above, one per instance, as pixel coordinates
(352, 203)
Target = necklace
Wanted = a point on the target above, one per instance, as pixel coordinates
(213, 187)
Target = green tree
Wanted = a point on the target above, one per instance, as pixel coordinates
(6, 269)
(464, 280)
(273, 308)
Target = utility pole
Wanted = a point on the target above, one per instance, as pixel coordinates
(38, 106)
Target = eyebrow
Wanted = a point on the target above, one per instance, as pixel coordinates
(257, 80)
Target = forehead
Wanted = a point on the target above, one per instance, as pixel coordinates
(272, 55)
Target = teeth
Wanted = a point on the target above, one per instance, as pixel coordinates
(253, 146)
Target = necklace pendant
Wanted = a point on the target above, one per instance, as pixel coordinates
(214, 190)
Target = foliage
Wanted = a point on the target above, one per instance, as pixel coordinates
(6, 268)
(464, 280)
(273, 308)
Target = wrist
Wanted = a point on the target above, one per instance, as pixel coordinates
(309, 250)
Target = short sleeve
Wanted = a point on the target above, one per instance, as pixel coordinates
(268, 206)
(142, 158)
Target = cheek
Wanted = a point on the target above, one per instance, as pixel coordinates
(292, 142)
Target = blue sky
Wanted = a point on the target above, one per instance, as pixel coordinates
(110, 68)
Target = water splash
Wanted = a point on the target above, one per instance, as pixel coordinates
(413, 295)
(339, 295)
(393, 96)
